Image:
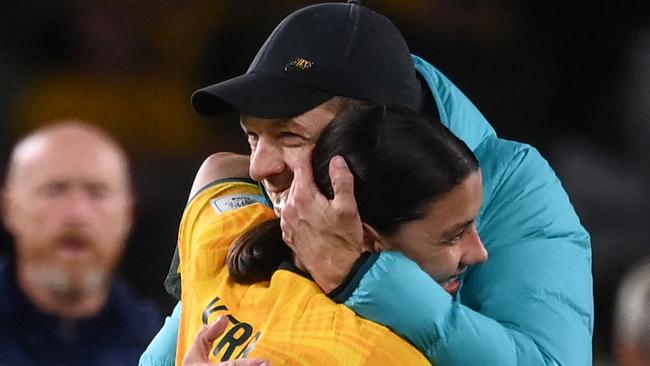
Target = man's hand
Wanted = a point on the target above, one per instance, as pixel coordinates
(199, 353)
(326, 236)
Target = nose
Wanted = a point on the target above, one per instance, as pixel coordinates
(78, 207)
(266, 160)
(475, 251)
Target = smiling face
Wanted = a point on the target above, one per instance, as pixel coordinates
(445, 241)
(277, 144)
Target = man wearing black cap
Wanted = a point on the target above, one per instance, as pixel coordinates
(530, 304)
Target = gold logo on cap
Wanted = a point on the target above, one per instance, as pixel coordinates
(299, 64)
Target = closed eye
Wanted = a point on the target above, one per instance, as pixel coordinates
(52, 189)
(291, 139)
(252, 138)
(455, 234)
(455, 238)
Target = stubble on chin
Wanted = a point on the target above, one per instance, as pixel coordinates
(71, 286)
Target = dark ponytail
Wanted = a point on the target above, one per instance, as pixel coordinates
(256, 254)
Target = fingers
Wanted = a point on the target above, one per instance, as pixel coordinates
(302, 194)
(342, 184)
(200, 350)
(199, 353)
(303, 177)
(211, 332)
(286, 229)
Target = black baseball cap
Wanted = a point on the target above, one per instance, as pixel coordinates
(314, 54)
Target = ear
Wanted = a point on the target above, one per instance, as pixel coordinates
(373, 241)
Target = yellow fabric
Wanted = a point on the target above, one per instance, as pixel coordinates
(287, 320)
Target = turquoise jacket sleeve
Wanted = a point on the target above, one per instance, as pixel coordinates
(162, 349)
(531, 303)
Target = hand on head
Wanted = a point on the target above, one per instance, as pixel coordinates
(325, 235)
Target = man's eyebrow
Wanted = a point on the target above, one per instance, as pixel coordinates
(454, 230)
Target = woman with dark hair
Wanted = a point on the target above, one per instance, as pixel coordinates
(385, 148)
(275, 311)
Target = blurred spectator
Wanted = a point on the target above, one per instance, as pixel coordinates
(67, 202)
(129, 67)
(632, 321)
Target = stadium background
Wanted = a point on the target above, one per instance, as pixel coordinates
(571, 78)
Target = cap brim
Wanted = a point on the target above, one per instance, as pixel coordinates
(258, 95)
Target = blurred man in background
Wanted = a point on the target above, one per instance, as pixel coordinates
(632, 325)
(67, 202)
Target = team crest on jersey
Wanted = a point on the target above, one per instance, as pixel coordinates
(234, 201)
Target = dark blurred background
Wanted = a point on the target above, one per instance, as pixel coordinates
(571, 78)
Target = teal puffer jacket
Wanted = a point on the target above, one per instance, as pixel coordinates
(531, 303)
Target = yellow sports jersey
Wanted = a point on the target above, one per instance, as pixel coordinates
(288, 320)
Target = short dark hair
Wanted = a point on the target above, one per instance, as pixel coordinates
(402, 162)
